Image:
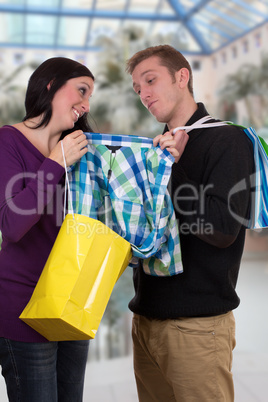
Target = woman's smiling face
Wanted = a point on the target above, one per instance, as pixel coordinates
(71, 101)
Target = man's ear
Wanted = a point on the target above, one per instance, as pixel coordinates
(182, 77)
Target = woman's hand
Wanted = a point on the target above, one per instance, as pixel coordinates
(174, 143)
(74, 145)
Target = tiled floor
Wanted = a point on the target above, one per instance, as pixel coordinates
(113, 380)
(251, 354)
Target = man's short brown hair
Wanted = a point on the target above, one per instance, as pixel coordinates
(169, 57)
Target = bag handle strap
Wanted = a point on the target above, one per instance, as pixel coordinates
(201, 123)
(67, 184)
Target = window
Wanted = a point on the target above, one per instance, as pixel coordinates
(234, 52)
(196, 65)
(245, 46)
(258, 40)
(18, 59)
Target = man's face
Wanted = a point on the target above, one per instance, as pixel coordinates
(158, 90)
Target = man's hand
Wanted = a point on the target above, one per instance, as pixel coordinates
(174, 143)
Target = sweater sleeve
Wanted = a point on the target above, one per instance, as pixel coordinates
(25, 191)
(221, 199)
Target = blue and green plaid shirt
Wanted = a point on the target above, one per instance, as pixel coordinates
(122, 181)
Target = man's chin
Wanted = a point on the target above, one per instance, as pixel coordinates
(158, 118)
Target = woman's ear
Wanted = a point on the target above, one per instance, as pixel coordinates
(49, 85)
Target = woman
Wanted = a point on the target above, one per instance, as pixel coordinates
(31, 212)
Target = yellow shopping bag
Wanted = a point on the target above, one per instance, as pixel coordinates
(74, 288)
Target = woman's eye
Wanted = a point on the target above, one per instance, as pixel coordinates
(83, 91)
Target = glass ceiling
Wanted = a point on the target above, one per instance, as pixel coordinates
(194, 26)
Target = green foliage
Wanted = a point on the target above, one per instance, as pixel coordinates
(112, 74)
(115, 106)
(249, 84)
(240, 84)
(12, 94)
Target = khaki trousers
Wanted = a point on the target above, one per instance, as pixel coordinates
(184, 360)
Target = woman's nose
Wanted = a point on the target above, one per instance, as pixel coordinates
(85, 106)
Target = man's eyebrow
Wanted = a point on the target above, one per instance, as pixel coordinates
(142, 74)
(148, 71)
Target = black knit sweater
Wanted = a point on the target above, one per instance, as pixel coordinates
(211, 196)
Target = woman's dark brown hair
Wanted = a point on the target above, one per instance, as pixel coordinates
(55, 71)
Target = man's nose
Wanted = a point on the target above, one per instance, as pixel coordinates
(144, 94)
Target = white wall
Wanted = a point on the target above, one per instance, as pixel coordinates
(215, 68)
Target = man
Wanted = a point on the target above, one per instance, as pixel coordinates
(183, 325)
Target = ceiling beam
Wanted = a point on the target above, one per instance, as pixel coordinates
(190, 24)
(84, 13)
(49, 47)
(89, 26)
(57, 26)
(248, 7)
